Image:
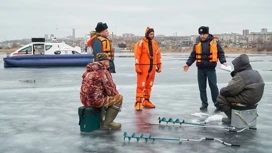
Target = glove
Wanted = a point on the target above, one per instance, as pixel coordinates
(159, 68)
(137, 69)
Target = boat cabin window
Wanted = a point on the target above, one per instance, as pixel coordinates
(38, 49)
(26, 50)
(47, 47)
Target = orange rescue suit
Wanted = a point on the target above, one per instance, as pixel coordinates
(147, 62)
(213, 51)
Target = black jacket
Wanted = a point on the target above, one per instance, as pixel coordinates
(205, 61)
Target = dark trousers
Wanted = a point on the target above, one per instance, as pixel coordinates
(202, 75)
(112, 67)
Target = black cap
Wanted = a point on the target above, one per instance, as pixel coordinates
(203, 30)
(101, 27)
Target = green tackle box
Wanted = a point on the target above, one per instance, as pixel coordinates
(89, 119)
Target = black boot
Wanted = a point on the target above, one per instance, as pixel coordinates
(227, 119)
(203, 108)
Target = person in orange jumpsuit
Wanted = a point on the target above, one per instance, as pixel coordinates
(147, 63)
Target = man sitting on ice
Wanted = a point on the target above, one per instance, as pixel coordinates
(98, 90)
(246, 87)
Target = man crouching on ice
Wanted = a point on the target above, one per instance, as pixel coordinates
(98, 90)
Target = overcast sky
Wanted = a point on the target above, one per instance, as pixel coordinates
(34, 18)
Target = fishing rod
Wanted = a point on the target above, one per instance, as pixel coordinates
(180, 140)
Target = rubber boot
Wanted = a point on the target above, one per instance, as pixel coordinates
(227, 119)
(103, 114)
(110, 116)
(148, 104)
(138, 106)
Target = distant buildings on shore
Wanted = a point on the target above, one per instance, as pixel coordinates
(246, 39)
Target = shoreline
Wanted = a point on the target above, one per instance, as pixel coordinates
(188, 50)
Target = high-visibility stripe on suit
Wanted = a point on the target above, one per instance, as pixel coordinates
(147, 62)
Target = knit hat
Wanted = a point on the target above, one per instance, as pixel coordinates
(148, 31)
(203, 30)
(101, 57)
(101, 27)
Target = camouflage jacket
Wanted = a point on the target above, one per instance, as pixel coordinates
(97, 83)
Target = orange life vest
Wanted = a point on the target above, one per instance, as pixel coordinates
(213, 51)
(106, 45)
